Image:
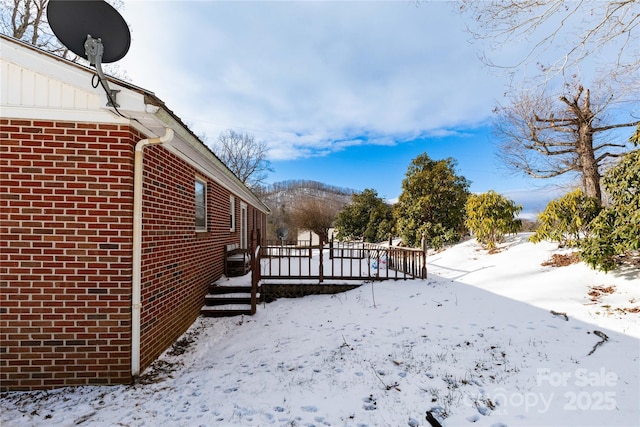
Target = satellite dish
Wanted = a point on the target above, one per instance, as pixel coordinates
(282, 233)
(73, 20)
(93, 30)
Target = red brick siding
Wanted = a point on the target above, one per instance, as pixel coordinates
(179, 263)
(66, 221)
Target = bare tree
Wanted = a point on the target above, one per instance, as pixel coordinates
(578, 28)
(246, 157)
(284, 196)
(317, 215)
(546, 136)
(27, 20)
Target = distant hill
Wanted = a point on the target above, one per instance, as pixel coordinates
(282, 197)
(286, 193)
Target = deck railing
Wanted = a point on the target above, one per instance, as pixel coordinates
(338, 261)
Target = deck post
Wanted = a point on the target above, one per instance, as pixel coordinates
(331, 247)
(321, 270)
(424, 256)
(255, 278)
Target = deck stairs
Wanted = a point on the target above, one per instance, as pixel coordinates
(227, 301)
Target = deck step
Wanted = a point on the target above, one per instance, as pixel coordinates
(229, 289)
(213, 300)
(232, 295)
(226, 310)
(226, 301)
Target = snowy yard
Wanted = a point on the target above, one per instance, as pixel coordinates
(486, 340)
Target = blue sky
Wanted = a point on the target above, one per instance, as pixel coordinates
(346, 93)
(384, 167)
(387, 164)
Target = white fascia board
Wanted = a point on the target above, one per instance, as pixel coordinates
(56, 114)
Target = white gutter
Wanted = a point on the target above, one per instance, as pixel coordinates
(136, 293)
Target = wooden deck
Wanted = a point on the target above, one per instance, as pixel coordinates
(298, 269)
(340, 261)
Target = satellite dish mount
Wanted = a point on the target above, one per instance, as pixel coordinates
(81, 25)
(94, 50)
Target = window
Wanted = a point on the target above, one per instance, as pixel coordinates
(243, 225)
(201, 205)
(232, 213)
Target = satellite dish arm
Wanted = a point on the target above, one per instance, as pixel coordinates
(94, 51)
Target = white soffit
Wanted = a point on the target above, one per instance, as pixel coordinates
(37, 85)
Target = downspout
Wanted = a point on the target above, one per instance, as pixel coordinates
(136, 293)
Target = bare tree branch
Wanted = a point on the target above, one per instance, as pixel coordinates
(578, 28)
(621, 125)
(246, 157)
(317, 215)
(547, 136)
(27, 20)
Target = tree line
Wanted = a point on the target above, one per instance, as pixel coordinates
(294, 184)
(436, 205)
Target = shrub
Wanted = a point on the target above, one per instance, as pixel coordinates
(616, 230)
(566, 220)
(490, 216)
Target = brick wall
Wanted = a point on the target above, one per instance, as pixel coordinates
(179, 263)
(66, 221)
(66, 226)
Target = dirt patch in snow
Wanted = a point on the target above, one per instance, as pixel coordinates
(562, 260)
(596, 292)
(163, 368)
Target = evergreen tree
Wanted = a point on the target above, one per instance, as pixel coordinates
(367, 217)
(432, 202)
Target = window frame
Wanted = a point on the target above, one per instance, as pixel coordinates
(201, 223)
(232, 213)
(244, 223)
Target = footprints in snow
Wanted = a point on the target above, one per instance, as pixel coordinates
(370, 403)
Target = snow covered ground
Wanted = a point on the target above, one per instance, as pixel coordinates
(486, 340)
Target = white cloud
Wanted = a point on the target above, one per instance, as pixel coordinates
(535, 199)
(311, 77)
